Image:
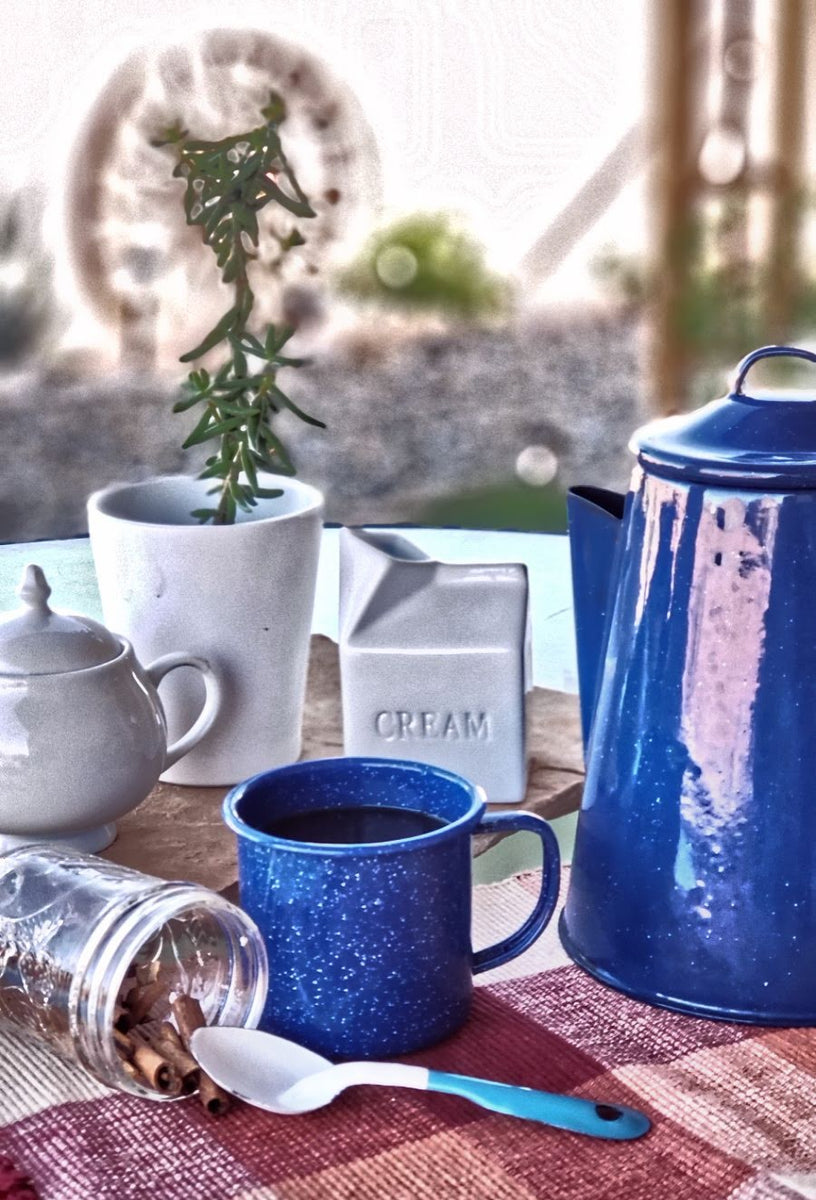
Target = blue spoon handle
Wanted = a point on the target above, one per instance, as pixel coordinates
(612, 1121)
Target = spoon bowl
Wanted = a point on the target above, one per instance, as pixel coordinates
(283, 1077)
(258, 1067)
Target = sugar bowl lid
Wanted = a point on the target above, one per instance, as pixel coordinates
(35, 640)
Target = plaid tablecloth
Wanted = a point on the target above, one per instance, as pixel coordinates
(734, 1110)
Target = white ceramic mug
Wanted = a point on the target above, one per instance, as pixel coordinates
(240, 596)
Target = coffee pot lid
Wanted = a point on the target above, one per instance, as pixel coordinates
(765, 441)
(36, 640)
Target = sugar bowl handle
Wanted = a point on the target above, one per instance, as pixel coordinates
(212, 701)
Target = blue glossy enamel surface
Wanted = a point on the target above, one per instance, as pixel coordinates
(595, 527)
(694, 875)
(767, 443)
(369, 945)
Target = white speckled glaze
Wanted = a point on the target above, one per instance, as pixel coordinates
(239, 595)
(369, 942)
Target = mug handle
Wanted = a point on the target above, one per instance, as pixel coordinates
(212, 701)
(516, 943)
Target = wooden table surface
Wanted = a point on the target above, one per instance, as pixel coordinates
(178, 833)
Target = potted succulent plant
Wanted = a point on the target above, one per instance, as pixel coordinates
(225, 564)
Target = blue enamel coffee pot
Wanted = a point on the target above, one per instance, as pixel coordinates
(694, 876)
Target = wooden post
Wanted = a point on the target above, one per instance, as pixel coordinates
(786, 194)
(677, 50)
(734, 117)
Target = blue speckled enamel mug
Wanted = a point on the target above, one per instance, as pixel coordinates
(369, 940)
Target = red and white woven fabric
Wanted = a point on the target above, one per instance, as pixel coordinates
(734, 1109)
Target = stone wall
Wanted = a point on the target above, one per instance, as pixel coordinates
(433, 414)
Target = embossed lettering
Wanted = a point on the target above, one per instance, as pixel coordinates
(405, 721)
(384, 724)
(476, 725)
(404, 726)
(428, 721)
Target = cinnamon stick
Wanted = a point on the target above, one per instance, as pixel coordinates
(121, 1018)
(123, 1042)
(130, 1069)
(147, 972)
(161, 1058)
(158, 1072)
(211, 1096)
(140, 1000)
(169, 1033)
(170, 1046)
(189, 1018)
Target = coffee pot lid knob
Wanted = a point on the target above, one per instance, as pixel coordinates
(36, 640)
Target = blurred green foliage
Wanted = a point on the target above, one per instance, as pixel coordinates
(508, 504)
(722, 313)
(426, 262)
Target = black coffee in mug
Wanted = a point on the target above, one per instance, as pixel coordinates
(356, 825)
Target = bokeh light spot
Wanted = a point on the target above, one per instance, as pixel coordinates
(396, 266)
(537, 465)
(722, 157)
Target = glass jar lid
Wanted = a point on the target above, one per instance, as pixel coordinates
(36, 640)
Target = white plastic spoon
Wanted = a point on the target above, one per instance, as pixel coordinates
(283, 1077)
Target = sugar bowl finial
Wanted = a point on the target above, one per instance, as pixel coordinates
(34, 588)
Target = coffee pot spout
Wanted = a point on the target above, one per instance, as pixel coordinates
(595, 523)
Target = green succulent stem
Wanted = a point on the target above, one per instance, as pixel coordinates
(227, 183)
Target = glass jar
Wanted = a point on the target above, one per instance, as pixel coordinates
(72, 930)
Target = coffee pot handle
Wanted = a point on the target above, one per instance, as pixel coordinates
(212, 701)
(518, 942)
(766, 352)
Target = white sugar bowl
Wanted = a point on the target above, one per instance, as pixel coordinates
(83, 737)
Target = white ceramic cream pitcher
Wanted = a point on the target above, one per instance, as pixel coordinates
(434, 660)
(83, 737)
